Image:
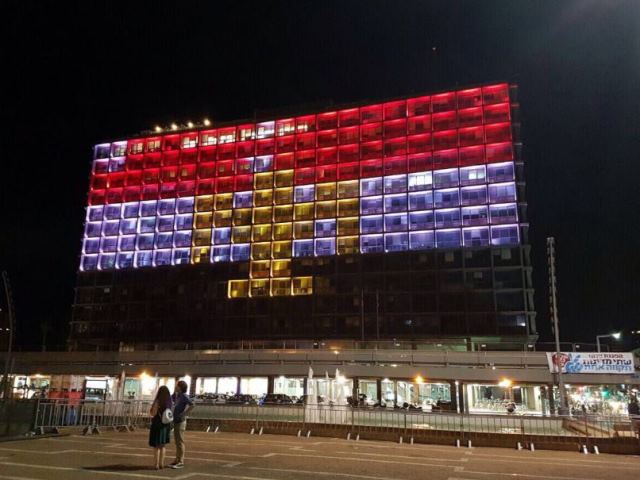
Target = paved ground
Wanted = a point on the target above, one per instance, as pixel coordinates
(276, 457)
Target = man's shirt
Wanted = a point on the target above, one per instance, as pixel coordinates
(180, 402)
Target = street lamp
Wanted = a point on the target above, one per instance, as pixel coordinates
(615, 335)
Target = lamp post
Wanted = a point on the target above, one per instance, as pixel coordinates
(615, 335)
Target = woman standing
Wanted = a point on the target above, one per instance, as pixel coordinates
(160, 432)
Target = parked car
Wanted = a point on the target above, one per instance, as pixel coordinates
(304, 399)
(240, 399)
(217, 398)
(277, 399)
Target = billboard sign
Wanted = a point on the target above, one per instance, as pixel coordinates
(591, 362)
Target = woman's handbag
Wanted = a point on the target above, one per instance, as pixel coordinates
(167, 416)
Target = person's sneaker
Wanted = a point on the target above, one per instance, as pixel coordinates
(177, 465)
(175, 462)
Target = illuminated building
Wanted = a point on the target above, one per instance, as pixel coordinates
(401, 219)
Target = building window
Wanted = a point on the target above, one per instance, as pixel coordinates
(240, 252)
(446, 198)
(421, 240)
(502, 192)
(396, 242)
(472, 175)
(448, 238)
(507, 213)
(238, 288)
(473, 195)
(420, 181)
(303, 248)
(325, 228)
(371, 224)
(500, 172)
(421, 220)
(371, 205)
(371, 244)
(420, 200)
(162, 257)
(445, 178)
(325, 246)
(449, 217)
(474, 216)
(505, 235)
(475, 237)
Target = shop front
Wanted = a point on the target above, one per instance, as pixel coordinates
(505, 397)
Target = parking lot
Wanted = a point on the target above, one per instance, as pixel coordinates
(269, 457)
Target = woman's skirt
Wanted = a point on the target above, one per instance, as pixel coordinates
(160, 433)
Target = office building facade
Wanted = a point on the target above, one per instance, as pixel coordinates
(399, 220)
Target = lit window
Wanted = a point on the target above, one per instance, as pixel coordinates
(240, 252)
(474, 216)
(421, 240)
(303, 248)
(396, 242)
(472, 175)
(302, 285)
(162, 257)
(507, 213)
(421, 220)
(505, 235)
(325, 228)
(221, 253)
(325, 246)
(475, 237)
(371, 244)
(420, 181)
(448, 238)
(238, 288)
(448, 218)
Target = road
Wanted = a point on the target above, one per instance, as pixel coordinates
(232, 456)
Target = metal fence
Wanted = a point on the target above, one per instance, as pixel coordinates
(82, 413)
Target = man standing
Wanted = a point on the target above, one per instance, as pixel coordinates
(182, 405)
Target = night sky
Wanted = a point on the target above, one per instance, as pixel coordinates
(91, 71)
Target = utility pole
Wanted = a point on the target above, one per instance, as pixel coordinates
(5, 378)
(362, 313)
(553, 306)
(378, 314)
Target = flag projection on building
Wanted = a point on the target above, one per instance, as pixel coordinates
(434, 171)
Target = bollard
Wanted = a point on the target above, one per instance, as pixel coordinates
(260, 432)
(457, 442)
(519, 446)
(216, 429)
(532, 447)
(585, 450)
(596, 450)
(252, 431)
(208, 429)
(469, 444)
(411, 441)
(357, 437)
(349, 436)
(308, 433)
(400, 441)
(299, 432)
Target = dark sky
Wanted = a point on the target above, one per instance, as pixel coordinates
(79, 73)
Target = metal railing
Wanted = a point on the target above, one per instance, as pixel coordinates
(82, 413)
(51, 413)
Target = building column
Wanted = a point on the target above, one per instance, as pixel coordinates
(270, 382)
(305, 386)
(453, 395)
(379, 389)
(192, 386)
(551, 399)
